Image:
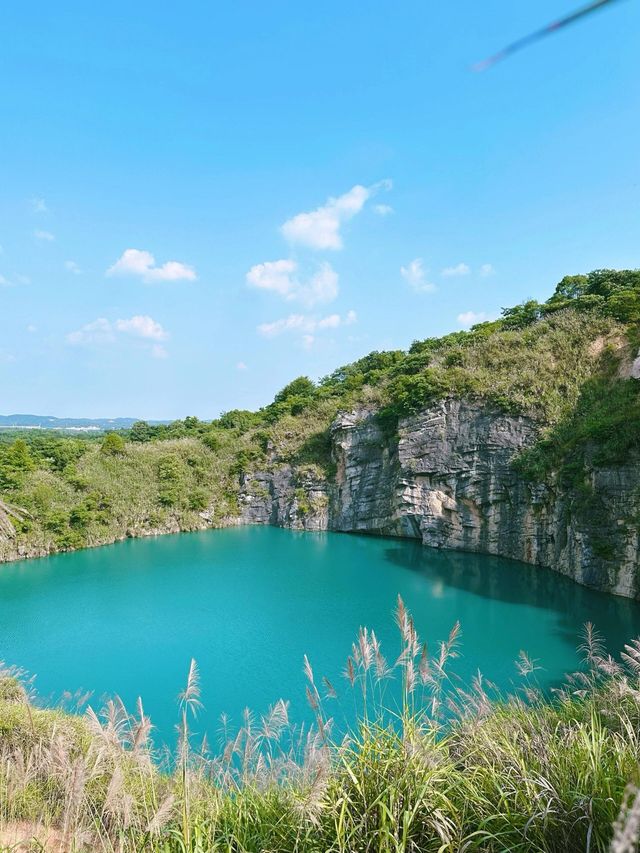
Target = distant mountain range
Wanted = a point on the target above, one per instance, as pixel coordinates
(70, 424)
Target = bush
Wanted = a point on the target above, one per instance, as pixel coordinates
(113, 444)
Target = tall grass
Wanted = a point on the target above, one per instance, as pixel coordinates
(430, 765)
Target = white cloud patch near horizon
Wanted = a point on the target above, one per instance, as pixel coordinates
(142, 264)
(306, 324)
(486, 270)
(281, 277)
(44, 236)
(73, 267)
(416, 276)
(320, 228)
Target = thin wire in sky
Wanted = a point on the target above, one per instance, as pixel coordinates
(542, 33)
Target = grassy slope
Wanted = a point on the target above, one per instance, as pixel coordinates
(557, 362)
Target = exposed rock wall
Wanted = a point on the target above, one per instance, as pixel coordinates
(447, 479)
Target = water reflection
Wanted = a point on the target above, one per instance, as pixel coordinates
(513, 582)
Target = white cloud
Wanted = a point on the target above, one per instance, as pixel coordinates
(277, 276)
(103, 331)
(38, 205)
(415, 274)
(100, 331)
(330, 322)
(486, 270)
(31, 328)
(470, 318)
(306, 324)
(320, 228)
(73, 267)
(383, 209)
(15, 280)
(241, 366)
(45, 236)
(292, 322)
(281, 277)
(322, 287)
(142, 326)
(459, 269)
(308, 341)
(142, 264)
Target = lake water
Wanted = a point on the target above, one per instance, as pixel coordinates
(247, 603)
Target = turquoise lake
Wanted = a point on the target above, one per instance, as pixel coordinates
(247, 603)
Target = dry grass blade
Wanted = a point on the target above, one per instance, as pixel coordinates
(190, 697)
(163, 815)
(631, 655)
(626, 830)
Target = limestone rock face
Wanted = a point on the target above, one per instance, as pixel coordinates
(283, 498)
(447, 479)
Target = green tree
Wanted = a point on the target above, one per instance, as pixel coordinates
(240, 419)
(522, 315)
(140, 432)
(112, 444)
(300, 387)
(624, 305)
(19, 456)
(570, 287)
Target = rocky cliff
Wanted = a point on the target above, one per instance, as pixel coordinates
(447, 478)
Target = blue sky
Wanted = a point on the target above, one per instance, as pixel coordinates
(200, 201)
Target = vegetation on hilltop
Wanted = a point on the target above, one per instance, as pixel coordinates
(557, 361)
(446, 768)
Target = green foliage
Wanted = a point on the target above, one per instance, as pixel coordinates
(300, 387)
(602, 429)
(112, 445)
(15, 461)
(624, 305)
(238, 419)
(11, 689)
(409, 394)
(140, 431)
(169, 472)
(245, 461)
(522, 315)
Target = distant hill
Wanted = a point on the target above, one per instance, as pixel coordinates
(70, 424)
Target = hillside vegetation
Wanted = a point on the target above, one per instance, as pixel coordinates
(559, 362)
